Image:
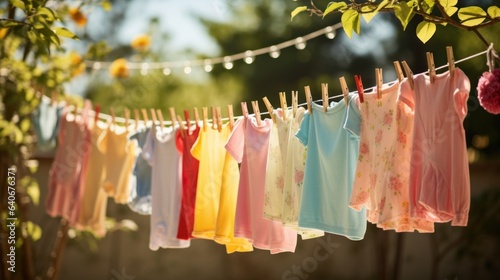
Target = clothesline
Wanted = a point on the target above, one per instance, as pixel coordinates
(124, 120)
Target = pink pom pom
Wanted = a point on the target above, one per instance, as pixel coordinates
(488, 91)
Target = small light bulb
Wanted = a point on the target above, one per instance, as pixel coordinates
(208, 65)
(249, 58)
(275, 52)
(96, 65)
(187, 70)
(144, 71)
(300, 43)
(329, 32)
(166, 71)
(227, 63)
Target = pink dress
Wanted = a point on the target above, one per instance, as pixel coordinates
(439, 171)
(67, 174)
(249, 144)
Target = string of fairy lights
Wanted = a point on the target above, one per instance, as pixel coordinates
(227, 61)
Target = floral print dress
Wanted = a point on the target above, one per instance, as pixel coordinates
(381, 182)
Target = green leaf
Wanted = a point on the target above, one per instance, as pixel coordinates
(25, 124)
(471, 16)
(34, 230)
(351, 21)
(448, 3)
(64, 32)
(50, 36)
(297, 11)
(368, 12)
(382, 5)
(8, 23)
(425, 31)
(333, 6)
(494, 12)
(33, 191)
(404, 13)
(47, 13)
(427, 6)
(18, 4)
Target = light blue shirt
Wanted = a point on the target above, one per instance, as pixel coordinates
(46, 123)
(332, 154)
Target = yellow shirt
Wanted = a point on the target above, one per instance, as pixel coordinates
(216, 190)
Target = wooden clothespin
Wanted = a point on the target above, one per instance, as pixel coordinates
(172, 116)
(359, 86)
(324, 96)
(399, 72)
(295, 102)
(231, 115)
(345, 90)
(112, 113)
(153, 116)
(219, 118)
(284, 106)
(308, 99)
(196, 117)
(204, 111)
(182, 127)
(127, 119)
(214, 117)
(244, 109)
(160, 118)
(256, 111)
(97, 110)
(270, 108)
(379, 80)
(188, 120)
(451, 60)
(431, 65)
(145, 116)
(409, 74)
(136, 118)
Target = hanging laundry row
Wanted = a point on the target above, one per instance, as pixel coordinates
(394, 156)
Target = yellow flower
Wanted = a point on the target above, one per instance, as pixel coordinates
(141, 42)
(3, 32)
(77, 16)
(76, 63)
(119, 68)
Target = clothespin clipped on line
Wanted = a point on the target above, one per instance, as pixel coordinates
(295, 102)
(256, 111)
(112, 113)
(409, 74)
(379, 81)
(451, 60)
(431, 65)
(204, 111)
(324, 96)
(219, 118)
(244, 109)
(127, 119)
(214, 117)
(97, 109)
(231, 115)
(136, 118)
(283, 104)
(270, 108)
(345, 90)
(196, 117)
(307, 90)
(188, 120)
(153, 116)
(161, 119)
(145, 116)
(399, 71)
(182, 127)
(359, 86)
